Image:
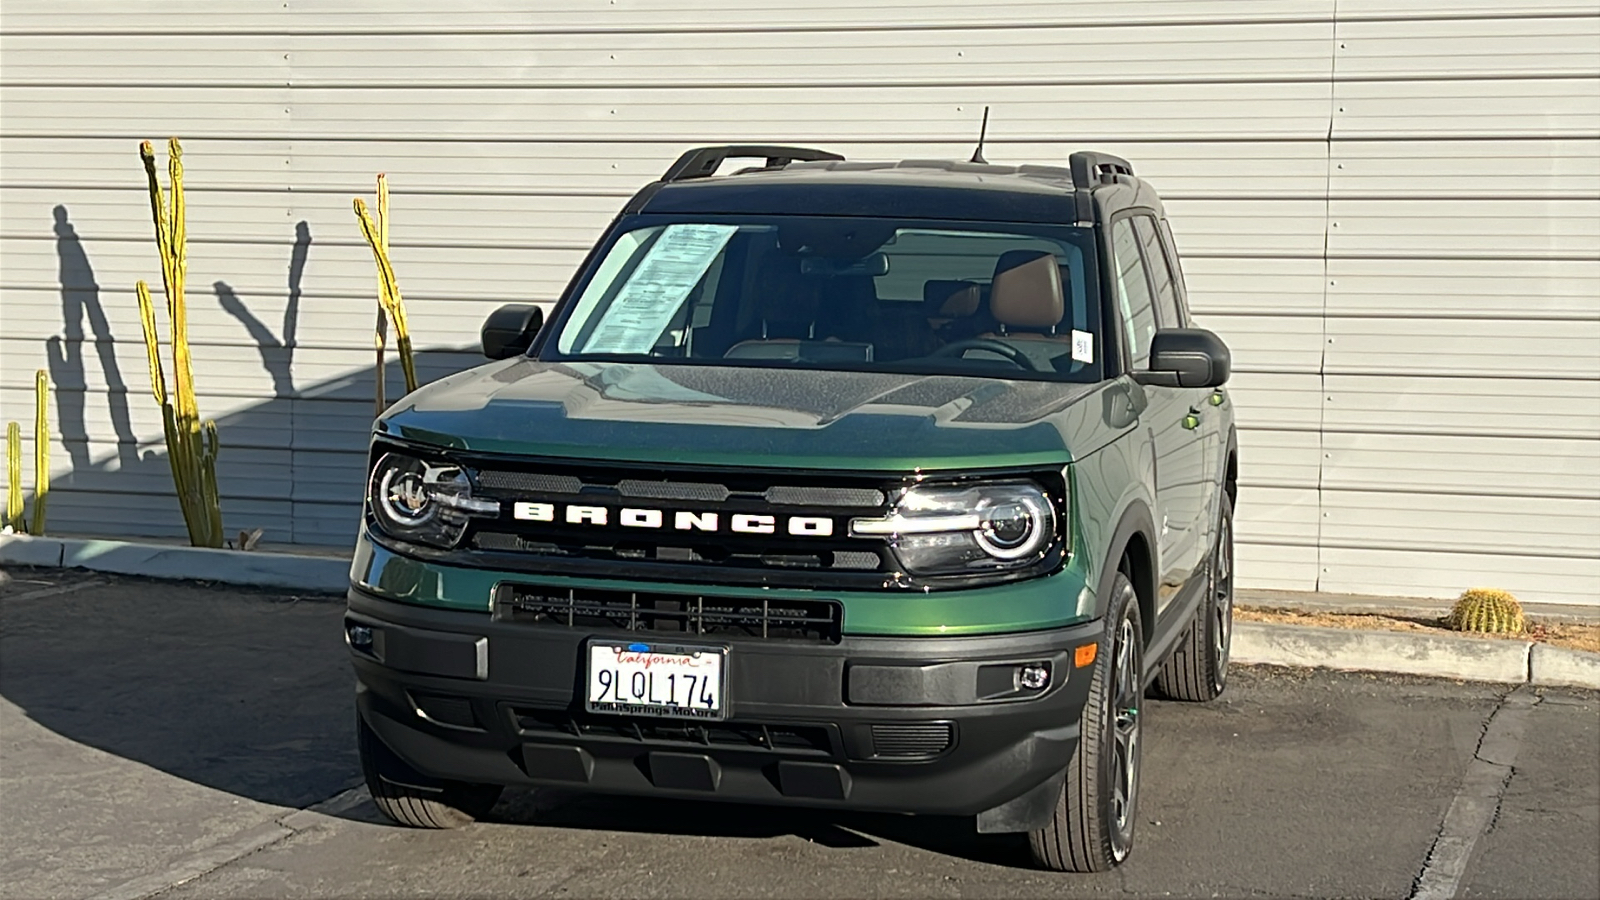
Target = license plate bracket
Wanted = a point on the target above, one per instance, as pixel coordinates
(660, 680)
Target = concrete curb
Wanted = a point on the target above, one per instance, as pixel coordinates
(1560, 666)
(313, 574)
(1408, 653)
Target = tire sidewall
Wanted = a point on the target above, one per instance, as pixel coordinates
(1124, 605)
(1221, 553)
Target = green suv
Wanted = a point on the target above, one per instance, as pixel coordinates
(848, 485)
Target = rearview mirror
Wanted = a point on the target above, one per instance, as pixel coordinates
(1186, 357)
(510, 330)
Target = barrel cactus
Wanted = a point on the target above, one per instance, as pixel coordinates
(1488, 611)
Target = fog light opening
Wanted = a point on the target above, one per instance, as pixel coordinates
(1034, 676)
(359, 637)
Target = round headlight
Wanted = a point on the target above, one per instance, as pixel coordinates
(402, 497)
(426, 502)
(1013, 528)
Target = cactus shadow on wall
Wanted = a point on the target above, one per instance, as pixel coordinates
(291, 463)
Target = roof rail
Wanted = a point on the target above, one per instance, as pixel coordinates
(1088, 169)
(702, 161)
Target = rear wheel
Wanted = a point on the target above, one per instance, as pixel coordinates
(1092, 827)
(1198, 669)
(411, 798)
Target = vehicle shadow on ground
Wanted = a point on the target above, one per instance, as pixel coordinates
(947, 835)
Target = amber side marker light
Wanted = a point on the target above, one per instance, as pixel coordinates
(1084, 656)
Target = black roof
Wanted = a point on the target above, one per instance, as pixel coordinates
(798, 181)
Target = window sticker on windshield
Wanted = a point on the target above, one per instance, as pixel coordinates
(1082, 346)
(674, 264)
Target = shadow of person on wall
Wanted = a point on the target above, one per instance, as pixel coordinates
(80, 298)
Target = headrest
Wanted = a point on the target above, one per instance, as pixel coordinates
(950, 299)
(783, 295)
(1026, 291)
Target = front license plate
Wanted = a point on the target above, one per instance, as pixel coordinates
(645, 679)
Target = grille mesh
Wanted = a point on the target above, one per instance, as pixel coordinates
(672, 490)
(791, 739)
(793, 495)
(815, 621)
(911, 740)
(529, 482)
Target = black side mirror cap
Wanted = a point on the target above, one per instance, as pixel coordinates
(1188, 358)
(509, 331)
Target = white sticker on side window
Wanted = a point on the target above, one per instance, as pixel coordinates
(1082, 346)
(657, 288)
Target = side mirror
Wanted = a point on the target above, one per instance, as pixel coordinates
(510, 330)
(1186, 357)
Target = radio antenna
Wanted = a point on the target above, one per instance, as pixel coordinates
(977, 155)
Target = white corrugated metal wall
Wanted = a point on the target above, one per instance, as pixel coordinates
(1390, 208)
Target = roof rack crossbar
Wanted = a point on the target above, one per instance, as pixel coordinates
(701, 162)
(1088, 169)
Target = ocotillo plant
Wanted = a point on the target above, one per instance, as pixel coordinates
(41, 462)
(377, 235)
(191, 444)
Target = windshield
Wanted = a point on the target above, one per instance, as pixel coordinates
(841, 293)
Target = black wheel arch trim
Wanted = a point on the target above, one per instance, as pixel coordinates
(1136, 519)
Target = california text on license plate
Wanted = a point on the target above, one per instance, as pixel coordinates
(647, 679)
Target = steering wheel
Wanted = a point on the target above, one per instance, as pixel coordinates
(999, 348)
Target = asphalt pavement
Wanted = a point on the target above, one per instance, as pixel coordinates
(167, 738)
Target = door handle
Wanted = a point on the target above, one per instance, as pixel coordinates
(1192, 420)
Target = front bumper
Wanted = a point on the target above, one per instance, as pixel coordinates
(932, 725)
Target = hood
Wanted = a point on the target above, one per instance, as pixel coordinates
(726, 415)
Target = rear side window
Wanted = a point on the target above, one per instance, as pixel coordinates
(1165, 294)
(1133, 293)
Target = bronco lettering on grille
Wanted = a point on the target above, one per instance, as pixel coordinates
(679, 520)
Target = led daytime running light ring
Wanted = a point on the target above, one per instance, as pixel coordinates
(1038, 532)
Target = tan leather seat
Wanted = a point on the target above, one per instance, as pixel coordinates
(1027, 297)
(944, 300)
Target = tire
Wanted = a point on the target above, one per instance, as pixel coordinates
(1197, 671)
(410, 798)
(1092, 827)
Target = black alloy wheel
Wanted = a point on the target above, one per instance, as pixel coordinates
(1092, 827)
(1197, 670)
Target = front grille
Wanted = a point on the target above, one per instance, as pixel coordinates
(816, 621)
(752, 520)
(911, 740)
(792, 739)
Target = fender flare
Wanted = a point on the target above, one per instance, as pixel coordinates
(1136, 519)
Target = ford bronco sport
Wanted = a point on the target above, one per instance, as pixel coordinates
(860, 486)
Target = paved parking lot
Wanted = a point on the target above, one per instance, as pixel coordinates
(161, 738)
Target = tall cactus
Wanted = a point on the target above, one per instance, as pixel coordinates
(15, 514)
(41, 449)
(191, 444)
(377, 235)
(14, 477)
(380, 328)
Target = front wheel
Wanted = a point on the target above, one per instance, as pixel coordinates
(1091, 829)
(1197, 670)
(410, 798)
